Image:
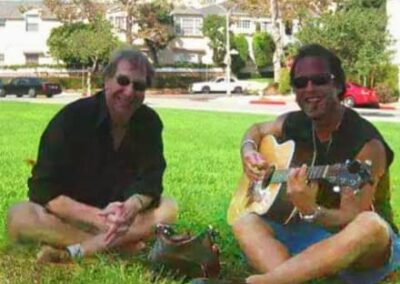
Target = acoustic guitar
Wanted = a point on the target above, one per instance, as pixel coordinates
(268, 195)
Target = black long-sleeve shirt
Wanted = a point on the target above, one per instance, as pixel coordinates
(76, 156)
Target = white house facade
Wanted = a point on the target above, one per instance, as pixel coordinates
(24, 34)
(191, 45)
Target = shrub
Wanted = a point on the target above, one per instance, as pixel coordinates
(76, 83)
(175, 81)
(264, 47)
(272, 89)
(387, 77)
(284, 81)
(385, 93)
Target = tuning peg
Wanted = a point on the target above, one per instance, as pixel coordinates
(353, 166)
(368, 163)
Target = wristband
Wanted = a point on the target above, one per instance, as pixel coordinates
(249, 141)
(140, 201)
(311, 218)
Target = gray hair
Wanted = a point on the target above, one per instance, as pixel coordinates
(134, 57)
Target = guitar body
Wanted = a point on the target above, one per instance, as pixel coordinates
(268, 196)
(271, 200)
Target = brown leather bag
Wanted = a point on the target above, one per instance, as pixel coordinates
(185, 255)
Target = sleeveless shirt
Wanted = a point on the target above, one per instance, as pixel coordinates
(346, 142)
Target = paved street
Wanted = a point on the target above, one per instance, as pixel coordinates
(244, 104)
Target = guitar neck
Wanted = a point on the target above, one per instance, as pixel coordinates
(313, 173)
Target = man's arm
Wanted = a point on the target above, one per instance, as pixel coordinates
(351, 204)
(253, 162)
(151, 164)
(77, 212)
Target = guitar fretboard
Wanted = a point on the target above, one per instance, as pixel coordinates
(313, 173)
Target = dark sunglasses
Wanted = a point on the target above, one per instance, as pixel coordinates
(317, 80)
(139, 86)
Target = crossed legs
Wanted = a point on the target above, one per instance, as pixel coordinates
(363, 243)
(30, 221)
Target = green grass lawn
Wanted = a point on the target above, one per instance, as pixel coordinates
(201, 149)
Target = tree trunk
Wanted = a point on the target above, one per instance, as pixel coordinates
(129, 28)
(276, 35)
(153, 51)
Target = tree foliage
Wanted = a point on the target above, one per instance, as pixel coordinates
(214, 27)
(351, 4)
(80, 43)
(358, 36)
(76, 10)
(239, 43)
(264, 48)
(280, 11)
(156, 29)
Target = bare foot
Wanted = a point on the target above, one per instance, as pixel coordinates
(96, 244)
(48, 254)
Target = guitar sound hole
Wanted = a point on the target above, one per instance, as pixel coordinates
(267, 178)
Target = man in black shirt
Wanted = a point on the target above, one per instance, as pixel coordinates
(347, 233)
(98, 178)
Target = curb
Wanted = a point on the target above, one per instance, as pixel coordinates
(267, 102)
(388, 107)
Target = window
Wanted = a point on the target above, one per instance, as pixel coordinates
(189, 26)
(32, 23)
(243, 24)
(288, 28)
(32, 58)
(2, 22)
(119, 22)
(265, 26)
(185, 57)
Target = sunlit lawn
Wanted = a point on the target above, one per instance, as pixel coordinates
(203, 167)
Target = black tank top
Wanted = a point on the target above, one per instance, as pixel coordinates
(346, 142)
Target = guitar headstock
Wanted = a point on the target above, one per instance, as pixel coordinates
(353, 174)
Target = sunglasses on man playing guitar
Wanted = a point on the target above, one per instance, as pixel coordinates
(317, 80)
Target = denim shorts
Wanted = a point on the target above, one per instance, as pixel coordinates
(297, 236)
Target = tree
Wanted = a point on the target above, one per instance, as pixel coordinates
(239, 43)
(361, 49)
(263, 47)
(280, 11)
(131, 10)
(75, 10)
(80, 43)
(156, 29)
(214, 28)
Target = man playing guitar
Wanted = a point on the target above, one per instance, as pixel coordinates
(350, 233)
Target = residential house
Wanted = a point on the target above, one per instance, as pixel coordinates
(191, 45)
(24, 29)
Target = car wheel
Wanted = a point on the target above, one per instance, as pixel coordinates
(19, 95)
(237, 90)
(2, 93)
(205, 90)
(32, 93)
(348, 101)
(49, 95)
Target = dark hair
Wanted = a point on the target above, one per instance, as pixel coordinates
(134, 57)
(334, 64)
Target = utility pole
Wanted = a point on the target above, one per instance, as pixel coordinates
(228, 55)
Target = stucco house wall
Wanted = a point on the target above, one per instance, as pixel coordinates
(24, 35)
